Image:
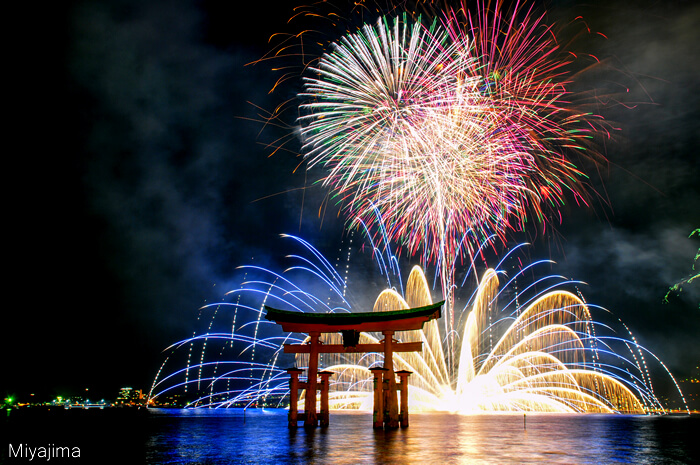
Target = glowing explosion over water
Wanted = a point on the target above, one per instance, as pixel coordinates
(432, 137)
(541, 350)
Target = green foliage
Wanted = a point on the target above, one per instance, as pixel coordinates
(694, 274)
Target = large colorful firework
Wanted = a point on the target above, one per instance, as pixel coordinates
(449, 131)
(398, 116)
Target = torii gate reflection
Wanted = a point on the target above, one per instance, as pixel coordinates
(387, 412)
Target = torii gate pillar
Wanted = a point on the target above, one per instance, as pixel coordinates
(392, 403)
(378, 413)
(403, 387)
(293, 396)
(311, 419)
(325, 385)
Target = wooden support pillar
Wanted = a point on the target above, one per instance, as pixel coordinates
(378, 414)
(311, 419)
(324, 416)
(403, 387)
(392, 402)
(293, 396)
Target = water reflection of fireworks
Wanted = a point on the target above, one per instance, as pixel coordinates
(537, 347)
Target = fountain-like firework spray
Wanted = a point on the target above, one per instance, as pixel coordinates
(541, 347)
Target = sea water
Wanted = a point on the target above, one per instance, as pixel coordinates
(208, 436)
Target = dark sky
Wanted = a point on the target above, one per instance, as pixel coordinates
(139, 179)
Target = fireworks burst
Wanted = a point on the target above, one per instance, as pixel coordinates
(448, 131)
(537, 347)
(397, 117)
(432, 136)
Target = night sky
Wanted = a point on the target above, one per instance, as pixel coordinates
(139, 179)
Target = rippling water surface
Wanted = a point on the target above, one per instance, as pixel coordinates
(262, 436)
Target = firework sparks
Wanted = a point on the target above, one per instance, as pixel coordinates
(430, 134)
(397, 117)
(524, 350)
(449, 131)
(444, 128)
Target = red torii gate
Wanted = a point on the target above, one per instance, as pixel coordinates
(386, 407)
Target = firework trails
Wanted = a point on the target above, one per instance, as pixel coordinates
(521, 348)
(448, 131)
(445, 130)
(433, 136)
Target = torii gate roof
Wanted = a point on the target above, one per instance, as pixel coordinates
(396, 320)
